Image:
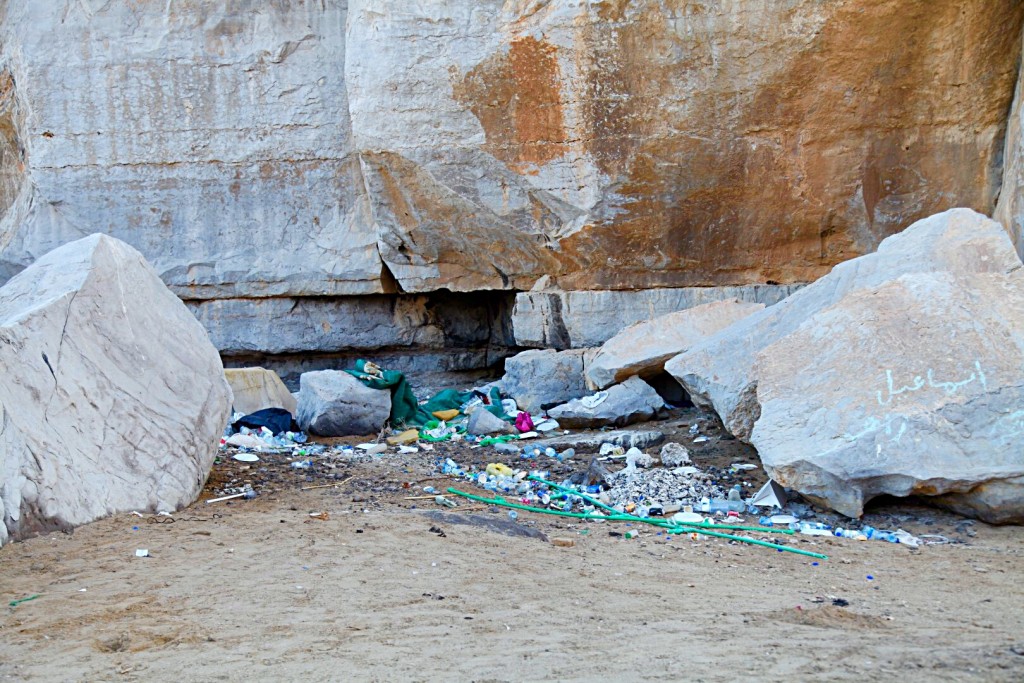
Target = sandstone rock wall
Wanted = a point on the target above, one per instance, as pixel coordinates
(275, 148)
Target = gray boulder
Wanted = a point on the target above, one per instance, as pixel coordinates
(632, 401)
(113, 398)
(643, 348)
(542, 377)
(912, 387)
(719, 374)
(334, 403)
(481, 422)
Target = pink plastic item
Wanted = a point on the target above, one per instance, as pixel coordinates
(524, 422)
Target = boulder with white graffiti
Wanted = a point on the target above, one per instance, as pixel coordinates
(912, 387)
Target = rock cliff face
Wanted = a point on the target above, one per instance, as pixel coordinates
(318, 148)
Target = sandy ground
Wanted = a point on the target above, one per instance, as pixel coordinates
(377, 589)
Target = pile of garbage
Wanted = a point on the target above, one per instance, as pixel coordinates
(667, 490)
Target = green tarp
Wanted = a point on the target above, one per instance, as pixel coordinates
(405, 409)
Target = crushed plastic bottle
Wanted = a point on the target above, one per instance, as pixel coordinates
(812, 528)
(851, 533)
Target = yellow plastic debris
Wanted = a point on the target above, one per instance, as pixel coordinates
(499, 470)
(408, 436)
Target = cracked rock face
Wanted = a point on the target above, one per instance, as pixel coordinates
(330, 148)
(113, 398)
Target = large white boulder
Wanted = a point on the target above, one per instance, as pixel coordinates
(915, 386)
(643, 348)
(719, 372)
(112, 399)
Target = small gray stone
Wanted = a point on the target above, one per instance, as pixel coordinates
(507, 448)
(334, 403)
(632, 401)
(674, 455)
(585, 442)
(538, 378)
(484, 422)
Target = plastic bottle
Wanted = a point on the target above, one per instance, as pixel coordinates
(720, 505)
(566, 454)
(550, 452)
(813, 529)
(513, 515)
(632, 533)
(850, 533)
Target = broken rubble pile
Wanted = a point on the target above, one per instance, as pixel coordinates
(113, 397)
(674, 455)
(662, 486)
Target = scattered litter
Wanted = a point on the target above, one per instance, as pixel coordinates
(546, 425)
(372, 448)
(783, 520)
(770, 495)
(323, 516)
(248, 494)
(701, 439)
(15, 603)
(524, 423)
(406, 437)
(594, 400)
(441, 500)
(563, 542)
(743, 466)
(608, 449)
(142, 552)
(246, 457)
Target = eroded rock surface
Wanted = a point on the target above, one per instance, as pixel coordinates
(340, 148)
(113, 398)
